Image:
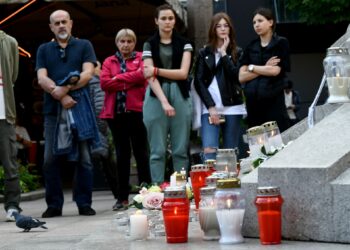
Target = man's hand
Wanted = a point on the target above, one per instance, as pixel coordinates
(59, 92)
(67, 102)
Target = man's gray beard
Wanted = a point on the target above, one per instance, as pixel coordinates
(62, 36)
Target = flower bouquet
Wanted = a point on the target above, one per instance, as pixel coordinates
(152, 197)
(148, 198)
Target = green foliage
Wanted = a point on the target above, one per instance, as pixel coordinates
(321, 11)
(28, 181)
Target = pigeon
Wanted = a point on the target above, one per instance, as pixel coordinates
(27, 222)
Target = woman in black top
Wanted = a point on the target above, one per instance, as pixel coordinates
(263, 72)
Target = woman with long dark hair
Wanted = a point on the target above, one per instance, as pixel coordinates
(216, 81)
(168, 107)
(263, 72)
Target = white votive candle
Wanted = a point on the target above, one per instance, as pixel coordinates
(173, 180)
(138, 226)
(209, 223)
(230, 222)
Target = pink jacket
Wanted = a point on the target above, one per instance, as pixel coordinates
(132, 82)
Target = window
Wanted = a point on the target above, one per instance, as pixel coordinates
(283, 14)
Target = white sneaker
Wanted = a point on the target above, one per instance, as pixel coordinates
(9, 216)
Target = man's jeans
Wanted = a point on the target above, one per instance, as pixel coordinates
(8, 159)
(83, 176)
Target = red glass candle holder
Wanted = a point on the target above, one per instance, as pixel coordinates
(198, 176)
(269, 204)
(176, 208)
(211, 164)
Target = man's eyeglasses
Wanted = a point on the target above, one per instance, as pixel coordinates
(63, 54)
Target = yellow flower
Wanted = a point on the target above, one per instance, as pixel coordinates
(155, 189)
(189, 192)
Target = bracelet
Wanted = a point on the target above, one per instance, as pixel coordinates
(155, 72)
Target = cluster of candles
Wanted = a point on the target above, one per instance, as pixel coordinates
(220, 204)
(267, 135)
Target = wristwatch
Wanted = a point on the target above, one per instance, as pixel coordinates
(250, 67)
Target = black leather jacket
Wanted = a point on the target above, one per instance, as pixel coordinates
(226, 72)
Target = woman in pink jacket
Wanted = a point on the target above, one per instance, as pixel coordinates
(124, 85)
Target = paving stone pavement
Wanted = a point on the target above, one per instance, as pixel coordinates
(98, 232)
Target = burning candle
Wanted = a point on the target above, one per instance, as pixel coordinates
(138, 226)
(230, 205)
(176, 214)
(207, 214)
(257, 138)
(269, 204)
(273, 135)
(198, 175)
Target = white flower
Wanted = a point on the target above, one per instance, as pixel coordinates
(143, 191)
(138, 198)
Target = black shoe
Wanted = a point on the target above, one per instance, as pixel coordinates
(87, 211)
(51, 212)
(120, 205)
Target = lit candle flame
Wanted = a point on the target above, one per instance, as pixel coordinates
(175, 210)
(211, 203)
(138, 212)
(229, 203)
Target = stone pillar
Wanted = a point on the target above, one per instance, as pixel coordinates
(199, 14)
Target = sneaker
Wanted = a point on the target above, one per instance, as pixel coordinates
(87, 211)
(9, 215)
(51, 212)
(120, 205)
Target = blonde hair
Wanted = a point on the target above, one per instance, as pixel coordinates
(125, 32)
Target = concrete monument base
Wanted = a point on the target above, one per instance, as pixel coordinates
(314, 176)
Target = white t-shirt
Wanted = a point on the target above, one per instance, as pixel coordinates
(215, 94)
(288, 102)
(2, 101)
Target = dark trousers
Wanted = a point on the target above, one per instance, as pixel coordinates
(8, 159)
(129, 133)
(83, 175)
(268, 109)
